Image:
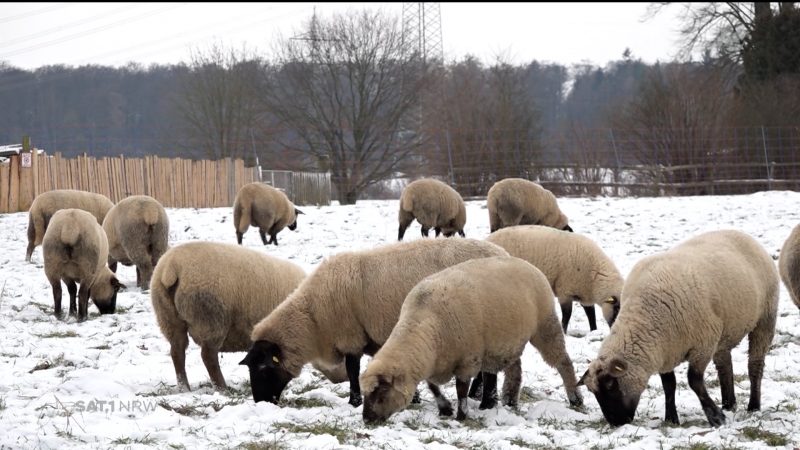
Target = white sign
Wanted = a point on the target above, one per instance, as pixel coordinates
(26, 159)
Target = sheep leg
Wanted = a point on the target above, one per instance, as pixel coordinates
(590, 315)
(72, 289)
(714, 415)
(566, 313)
(494, 222)
(722, 361)
(211, 361)
(461, 233)
(353, 365)
(179, 342)
(263, 234)
(146, 275)
(113, 266)
(438, 231)
(138, 277)
(549, 341)
(669, 383)
(489, 397)
(759, 341)
(425, 231)
(405, 219)
(56, 285)
(462, 388)
(444, 405)
(512, 383)
(83, 302)
(476, 390)
(29, 251)
(239, 237)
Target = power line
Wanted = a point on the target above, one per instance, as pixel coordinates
(35, 12)
(87, 32)
(63, 26)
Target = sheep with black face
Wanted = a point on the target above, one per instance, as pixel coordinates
(692, 303)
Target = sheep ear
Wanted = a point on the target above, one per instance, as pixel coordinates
(298, 212)
(581, 382)
(617, 367)
(116, 284)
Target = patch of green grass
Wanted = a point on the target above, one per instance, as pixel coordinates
(177, 446)
(430, 439)
(101, 347)
(305, 402)
(161, 390)
(198, 410)
(528, 395)
(473, 424)
(316, 384)
(57, 334)
(262, 445)
(768, 437)
(49, 364)
(146, 440)
(340, 431)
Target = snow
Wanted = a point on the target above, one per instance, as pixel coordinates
(109, 382)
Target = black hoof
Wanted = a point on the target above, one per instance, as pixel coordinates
(461, 415)
(729, 406)
(488, 404)
(355, 399)
(673, 420)
(415, 399)
(716, 419)
(447, 411)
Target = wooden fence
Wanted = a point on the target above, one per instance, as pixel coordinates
(175, 182)
(302, 188)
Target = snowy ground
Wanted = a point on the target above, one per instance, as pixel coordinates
(109, 382)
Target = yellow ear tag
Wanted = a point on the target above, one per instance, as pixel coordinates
(275, 358)
(610, 300)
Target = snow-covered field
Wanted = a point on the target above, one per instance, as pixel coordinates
(109, 382)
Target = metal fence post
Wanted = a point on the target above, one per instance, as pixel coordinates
(766, 159)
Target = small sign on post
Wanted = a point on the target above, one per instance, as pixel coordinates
(25, 159)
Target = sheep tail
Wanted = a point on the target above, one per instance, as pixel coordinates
(407, 203)
(150, 216)
(168, 276)
(244, 218)
(70, 233)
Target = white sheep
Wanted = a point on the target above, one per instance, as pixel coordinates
(435, 205)
(516, 201)
(576, 267)
(47, 203)
(75, 250)
(347, 307)
(138, 233)
(265, 207)
(692, 303)
(474, 316)
(216, 293)
(789, 265)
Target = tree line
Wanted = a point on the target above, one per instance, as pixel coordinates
(347, 95)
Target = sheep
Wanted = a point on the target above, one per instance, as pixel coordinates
(692, 303)
(265, 207)
(75, 250)
(435, 205)
(474, 316)
(347, 307)
(138, 232)
(216, 293)
(516, 201)
(47, 203)
(576, 267)
(789, 265)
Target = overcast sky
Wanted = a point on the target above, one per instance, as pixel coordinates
(38, 34)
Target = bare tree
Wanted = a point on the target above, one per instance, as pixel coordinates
(344, 91)
(677, 120)
(217, 101)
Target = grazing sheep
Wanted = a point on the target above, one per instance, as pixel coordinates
(47, 203)
(692, 303)
(216, 293)
(75, 250)
(138, 232)
(515, 201)
(576, 267)
(474, 316)
(789, 265)
(347, 307)
(265, 207)
(435, 205)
